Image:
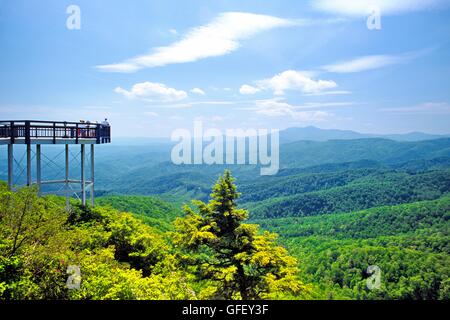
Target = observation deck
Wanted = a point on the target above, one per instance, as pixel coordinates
(38, 133)
(53, 132)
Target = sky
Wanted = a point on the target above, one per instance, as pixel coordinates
(150, 67)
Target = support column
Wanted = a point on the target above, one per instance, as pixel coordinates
(92, 176)
(38, 167)
(83, 178)
(10, 165)
(29, 180)
(66, 179)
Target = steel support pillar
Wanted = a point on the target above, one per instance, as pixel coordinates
(10, 166)
(38, 167)
(29, 180)
(66, 178)
(92, 176)
(83, 178)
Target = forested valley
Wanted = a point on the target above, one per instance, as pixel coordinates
(312, 231)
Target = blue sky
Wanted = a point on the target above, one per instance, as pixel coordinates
(153, 66)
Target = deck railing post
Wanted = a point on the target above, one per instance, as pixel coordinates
(12, 132)
(54, 132)
(76, 133)
(27, 132)
(97, 133)
(65, 130)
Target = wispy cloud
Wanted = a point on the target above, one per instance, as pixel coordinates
(151, 91)
(275, 108)
(329, 93)
(372, 62)
(209, 119)
(424, 108)
(198, 91)
(316, 105)
(219, 37)
(365, 7)
(96, 107)
(290, 80)
(191, 104)
(248, 89)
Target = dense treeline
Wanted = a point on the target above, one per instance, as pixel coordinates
(339, 268)
(118, 171)
(372, 191)
(309, 153)
(431, 217)
(152, 211)
(119, 257)
(409, 242)
(211, 254)
(273, 187)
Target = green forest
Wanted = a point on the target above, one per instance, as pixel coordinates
(210, 252)
(336, 210)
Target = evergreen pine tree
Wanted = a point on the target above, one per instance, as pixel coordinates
(240, 261)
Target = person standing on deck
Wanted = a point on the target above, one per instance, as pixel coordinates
(105, 122)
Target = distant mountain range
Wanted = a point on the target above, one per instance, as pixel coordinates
(317, 134)
(301, 133)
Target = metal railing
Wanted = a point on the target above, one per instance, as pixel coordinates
(54, 130)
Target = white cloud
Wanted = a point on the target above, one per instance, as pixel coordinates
(96, 107)
(365, 7)
(295, 80)
(428, 107)
(372, 62)
(329, 93)
(209, 119)
(216, 118)
(221, 36)
(151, 114)
(173, 31)
(191, 104)
(150, 91)
(247, 89)
(198, 91)
(316, 105)
(277, 108)
(212, 102)
(364, 63)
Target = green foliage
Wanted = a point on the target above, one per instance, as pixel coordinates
(151, 210)
(388, 188)
(119, 256)
(409, 242)
(338, 206)
(237, 260)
